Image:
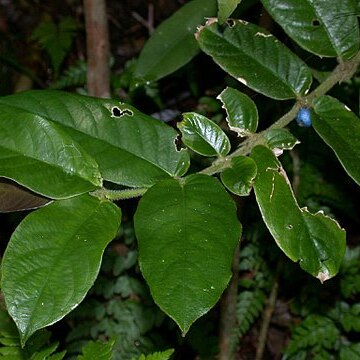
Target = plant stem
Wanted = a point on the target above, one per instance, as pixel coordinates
(114, 195)
(97, 48)
(344, 71)
(228, 311)
(266, 320)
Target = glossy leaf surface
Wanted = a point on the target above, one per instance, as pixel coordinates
(173, 44)
(187, 232)
(339, 127)
(325, 28)
(41, 156)
(203, 136)
(53, 258)
(255, 58)
(280, 139)
(240, 176)
(131, 148)
(13, 197)
(242, 114)
(226, 8)
(314, 240)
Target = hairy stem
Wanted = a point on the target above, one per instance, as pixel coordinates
(342, 72)
(114, 195)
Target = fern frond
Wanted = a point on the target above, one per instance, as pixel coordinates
(73, 76)
(314, 333)
(248, 309)
(350, 273)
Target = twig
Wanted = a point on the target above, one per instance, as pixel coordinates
(267, 314)
(149, 23)
(227, 312)
(97, 46)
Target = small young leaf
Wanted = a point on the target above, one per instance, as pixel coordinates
(315, 240)
(280, 139)
(240, 176)
(187, 231)
(42, 277)
(242, 114)
(255, 58)
(172, 44)
(41, 156)
(324, 28)
(203, 136)
(339, 127)
(124, 142)
(226, 8)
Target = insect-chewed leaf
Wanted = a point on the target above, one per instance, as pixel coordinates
(339, 127)
(226, 8)
(280, 139)
(255, 58)
(325, 28)
(242, 114)
(124, 142)
(314, 240)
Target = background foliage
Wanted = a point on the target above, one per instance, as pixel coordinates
(309, 320)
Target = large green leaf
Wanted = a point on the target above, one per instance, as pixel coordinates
(255, 58)
(242, 114)
(314, 240)
(226, 8)
(280, 139)
(14, 197)
(325, 28)
(131, 148)
(203, 136)
(339, 127)
(53, 258)
(41, 156)
(173, 44)
(187, 231)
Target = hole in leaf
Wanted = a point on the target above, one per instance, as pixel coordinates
(231, 22)
(316, 23)
(116, 112)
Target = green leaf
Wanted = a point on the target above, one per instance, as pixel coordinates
(226, 8)
(53, 258)
(315, 240)
(41, 156)
(240, 176)
(97, 350)
(187, 231)
(350, 351)
(203, 136)
(255, 58)
(14, 197)
(314, 331)
(242, 114)
(280, 139)
(163, 355)
(172, 44)
(131, 148)
(325, 28)
(56, 39)
(339, 127)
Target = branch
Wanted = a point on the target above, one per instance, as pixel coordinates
(97, 45)
(344, 71)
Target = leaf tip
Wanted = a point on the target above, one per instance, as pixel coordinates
(323, 276)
